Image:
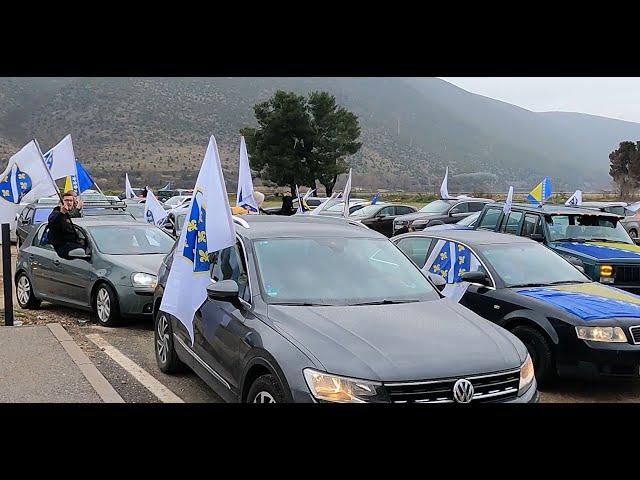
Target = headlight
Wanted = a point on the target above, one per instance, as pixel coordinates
(144, 280)
(602, 334)
(332, 388)
(526, 375)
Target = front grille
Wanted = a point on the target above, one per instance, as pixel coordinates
(487, 388)
(635, 334)
(627, 274)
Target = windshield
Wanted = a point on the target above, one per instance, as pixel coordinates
(530, 265)
(365, 211)
(467, 221)
(136, 210)
(437, 206)
(338, 271)
(586, 227)
(131, 239)
(175, 201)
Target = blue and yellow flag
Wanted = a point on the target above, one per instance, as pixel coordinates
(541, 192)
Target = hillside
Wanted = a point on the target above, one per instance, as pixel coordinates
(157, 130)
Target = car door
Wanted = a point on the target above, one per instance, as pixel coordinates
(416, 248)
(24, 222)
(41, 257)
(219, 326)
(73, 277)
(457, 213)
(383, 221)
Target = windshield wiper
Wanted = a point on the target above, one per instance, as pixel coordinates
(605, 240)
(303, 304)
(529, 285)
(567, 282)
(384, 302)
(579, 240)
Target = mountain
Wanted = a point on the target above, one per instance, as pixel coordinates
(157, 130)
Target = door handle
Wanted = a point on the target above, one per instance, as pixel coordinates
(56, 262)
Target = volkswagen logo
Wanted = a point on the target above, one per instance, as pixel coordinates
(463, 391)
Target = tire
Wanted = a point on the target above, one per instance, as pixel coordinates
(266, 389)
(24, 293)
(166, 356)
(105, 306)
(540, 351)
(633, 233)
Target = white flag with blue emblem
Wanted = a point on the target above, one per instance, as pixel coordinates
(208, 228)
(61, 160)
(25, 180)
(154, 212)
(575, 199)
(245, 197)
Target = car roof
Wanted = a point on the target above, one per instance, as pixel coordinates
(473, 237)
(102, 221)
(461, 199)
(265, 226)
(554, 209)
(605, 204)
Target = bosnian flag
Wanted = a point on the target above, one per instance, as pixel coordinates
(245, 184)
(444, 189)
(128, 191)
(154, 212)
(208, 228)
(61, 160)
(575, 199)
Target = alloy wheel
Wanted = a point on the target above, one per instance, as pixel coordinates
(23, 291)
(264, 397)
(103, 305)
(162, 341)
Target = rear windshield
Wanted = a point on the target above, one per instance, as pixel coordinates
(42, 215)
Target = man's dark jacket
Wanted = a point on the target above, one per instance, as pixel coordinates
(61, 230)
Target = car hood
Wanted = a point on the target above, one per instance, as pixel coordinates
(418, 215)
(136, 263)
(601, 251)
(411, 341)
(589, 302)
(448, 226)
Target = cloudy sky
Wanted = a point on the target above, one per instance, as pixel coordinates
(614, 97)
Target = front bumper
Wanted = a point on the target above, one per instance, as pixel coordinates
(135, 301)
(589, 359)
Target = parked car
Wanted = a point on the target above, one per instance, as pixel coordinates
(115, 278)
(593, 240)
(177, 201)
(370, 328)
(439, 212)
(35, 213)
(379, 217)
(312, 202)
(571, 325)
(630, 220)
(467, 223)
(334, 209)
(137, 210)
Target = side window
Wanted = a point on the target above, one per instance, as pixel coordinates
(41, 215)
(618, 210)
(513, 222)
(460, 208)
(530, 225)
(386, 211)
(28, 215)
(402, 210)
(451, 260)
(476, 206)
(490, 219)
(42, 239)
(416, 248)
(229, 265)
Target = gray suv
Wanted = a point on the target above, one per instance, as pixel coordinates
(371, 327)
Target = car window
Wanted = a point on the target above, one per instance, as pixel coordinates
(416, 248)
(228, 264)
(531, 225)
(469, 221)
(403, 210)
(387, 211)
(490, 219)
(588, 227)
(131, 239)
(618, 210)
(41, 215)
(450, 260)
(476, 206)
(512, 223)
(28, 215)
(460, 208)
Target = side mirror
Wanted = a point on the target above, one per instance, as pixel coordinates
(78, 253)
(224, 290)
(438, 281)
(475, 277)
(636, 240)
(580, 267)
(538, 237)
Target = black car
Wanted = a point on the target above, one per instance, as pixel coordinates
(379, 217)
(437, 213)
(594, 240)
(570, 324)
(371, 327)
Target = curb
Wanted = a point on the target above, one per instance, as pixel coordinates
(99, 383)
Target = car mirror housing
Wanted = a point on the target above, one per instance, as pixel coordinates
(78, 253)
(538, 237)
(439, 282)
(475, 277)
(224, 290)
(636, 241)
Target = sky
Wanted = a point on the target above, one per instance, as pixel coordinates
(613, 97)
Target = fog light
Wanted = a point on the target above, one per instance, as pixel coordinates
(606, 271)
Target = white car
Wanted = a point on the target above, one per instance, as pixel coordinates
(177, 201)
